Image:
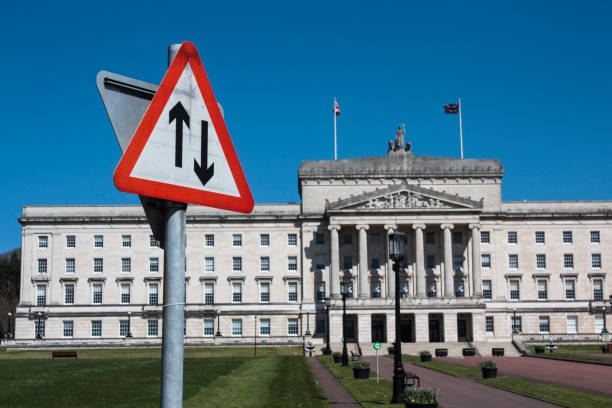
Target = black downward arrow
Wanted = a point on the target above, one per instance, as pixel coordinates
(179, 113)
(204, 172)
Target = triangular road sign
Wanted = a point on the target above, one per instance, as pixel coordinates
(182, 150)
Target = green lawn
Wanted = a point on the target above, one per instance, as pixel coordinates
(103, 380)
(583, 352)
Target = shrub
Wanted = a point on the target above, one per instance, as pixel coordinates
(425, 353)
(539, 349)
(337, 354)
(421, 395)
(361, 364)
(488, 364)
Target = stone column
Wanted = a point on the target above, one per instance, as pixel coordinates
(420, 260)
(448, 260)
(334, 267)
(390, 228)
(476, 279)
(363, 261)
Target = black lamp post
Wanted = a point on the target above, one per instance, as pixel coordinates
(129, 331)
(255, 333)
(604, 332)
(218, 323)
(8, 331)
(38, 334)
(514, 328)
(344, 351)
(327, 351)
(397, 241)
(307, 323)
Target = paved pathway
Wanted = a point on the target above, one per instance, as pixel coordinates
(456, 392)
(335, 392)
(588, 377)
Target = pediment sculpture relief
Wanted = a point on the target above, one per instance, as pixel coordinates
(405, 199)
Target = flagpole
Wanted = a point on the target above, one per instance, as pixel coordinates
(460, 128)
(335, 138)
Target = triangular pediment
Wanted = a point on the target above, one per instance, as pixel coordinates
(405, 197)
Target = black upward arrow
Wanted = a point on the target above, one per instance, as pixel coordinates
(204, 172)
(179, 113)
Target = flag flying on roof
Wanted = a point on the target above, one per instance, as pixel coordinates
(451, 108)
(336, 108)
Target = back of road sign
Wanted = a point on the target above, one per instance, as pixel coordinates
(182, 150)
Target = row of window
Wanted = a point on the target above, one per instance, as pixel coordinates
(98, 265)
(126, 241)
(542, 289)
(567, 237)
(513, 261)
(544, 324)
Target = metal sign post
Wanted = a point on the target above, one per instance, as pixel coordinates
(377, 347)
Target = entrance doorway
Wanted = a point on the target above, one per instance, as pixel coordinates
(407, 334)
(379, 328)
(464, 327)
(436, 328)
(351, 328)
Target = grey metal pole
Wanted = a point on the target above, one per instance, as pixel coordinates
(174, 296)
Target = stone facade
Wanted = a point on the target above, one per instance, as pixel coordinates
(473, 262)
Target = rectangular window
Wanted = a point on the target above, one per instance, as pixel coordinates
(209, 264)
(375, 289)
(264, 292)
(403, 288)
(598, 324)
(572, 324)
(542, 289)
(540, 237)
(70, 265)
(292, 327)
(292, 263)
(153, 264)
(514, 290)
(487, 292)
(96, 293)
(347, 239)
(153, 242)
(596, 261)
(292, 240)
(489, 323)
(567, 237)
(320, 290)
(209, 240)
(70, 241)
(348, 262)
(209, 293)
(375, 263)
(237, 292)
(96, 328)
(236, 327)
(517, 324)
(153, 294)
(568, 261)
(320, 263)
(485, 261)
(485, 237)
(125, 293)
(152, 328)
(209, 327)
(264, 327)
(459, 288)
(39, 328)
(570, 289)
(430, 261)
(292, 288)
(264, 263)
(98, 265)
(237, 264)
(597, 289)
(126, 265)
(42, 265)
(68, 328)
(123, 328)
(375, 238)
(320, 329)
(457, 237)
(69, 294)
(319, 238)
(595, 239)
(513, 261)
(430, 238)
(43, 241)
(126, 241)
(457, 262)
(512, 238)
(264, 240)
(432, 288)
(541, 261)
(41, 295)
(98, 241)
(544, 324)
(237, 240)
(347, 287)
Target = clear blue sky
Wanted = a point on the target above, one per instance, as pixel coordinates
(534, 78)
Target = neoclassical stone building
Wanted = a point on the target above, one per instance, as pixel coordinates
(476, 270)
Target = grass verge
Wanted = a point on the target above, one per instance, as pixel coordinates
(582, 352)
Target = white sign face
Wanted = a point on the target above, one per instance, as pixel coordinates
(167, 159)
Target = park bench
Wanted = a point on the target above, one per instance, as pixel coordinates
(63, 354)
(411, 379)
(497, 351)
(355, 357)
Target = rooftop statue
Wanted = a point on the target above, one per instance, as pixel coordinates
(398, 145)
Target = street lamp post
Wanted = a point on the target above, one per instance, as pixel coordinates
(8, 331)
(307, 323)
(255, 333)
(218, 323)
(38, 334)
(129, 330)
(327, 350)
(397, 242)
(514, 328)
(604, 332)
(344, 351)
